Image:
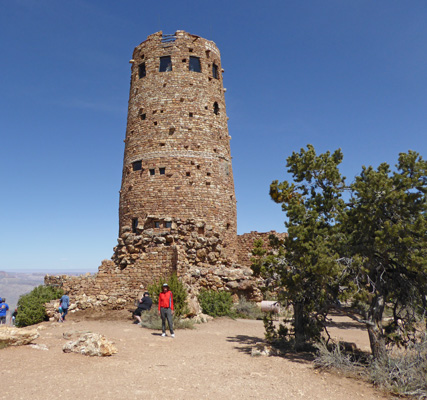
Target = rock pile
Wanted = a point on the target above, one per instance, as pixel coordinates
(90, 344)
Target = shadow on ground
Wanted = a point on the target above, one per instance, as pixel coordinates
(247, 343)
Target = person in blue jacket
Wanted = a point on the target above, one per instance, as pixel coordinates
(3, 311)
(63, 305)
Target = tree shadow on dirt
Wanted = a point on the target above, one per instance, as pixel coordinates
(247, 343)
(346, 325)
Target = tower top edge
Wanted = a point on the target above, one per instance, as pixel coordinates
(179, 35)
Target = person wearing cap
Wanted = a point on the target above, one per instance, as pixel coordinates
(166, 309)
(3, 311)
(144, 304)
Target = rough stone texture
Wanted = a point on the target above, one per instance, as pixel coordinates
(10, 336)
(91, 344)
(177, 211)
(196, 258)
(177, 121)
(246, 244)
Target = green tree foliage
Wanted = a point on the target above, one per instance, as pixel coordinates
(385, 227)
(374, 244)
(216, 304)
(179, 294)
(31, 308)
(308, 271)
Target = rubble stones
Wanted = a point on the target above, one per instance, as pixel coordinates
(91, 344)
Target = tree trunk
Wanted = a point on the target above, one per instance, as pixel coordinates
(299, 326)
(375, 329)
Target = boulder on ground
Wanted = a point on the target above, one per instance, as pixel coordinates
(91, 344)
(11, 336)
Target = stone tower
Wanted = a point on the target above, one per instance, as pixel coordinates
(177, 162)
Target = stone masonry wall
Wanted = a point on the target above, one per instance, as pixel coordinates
(177, 161)
(177, 211)
(191, 249)
(246, 244)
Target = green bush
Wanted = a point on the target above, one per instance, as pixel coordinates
(216, 304)
(31, 308)
(179, 294)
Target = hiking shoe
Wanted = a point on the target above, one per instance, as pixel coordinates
(135, 322)
(173, 335)
(163, 334)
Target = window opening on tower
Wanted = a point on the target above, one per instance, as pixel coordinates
(165, 64)
(134, 224)
(216, 108)
(141, 70)
(162, 170)
(152, 171)
(215, 71)
(168, 224)
(194, 64)
(137, 165)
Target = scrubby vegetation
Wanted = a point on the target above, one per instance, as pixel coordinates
(31, 308)
(402, 373)
(179, 294)
(216, 304)
(151, 320)
(247, 309)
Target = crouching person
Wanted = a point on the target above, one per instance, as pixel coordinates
(144, 304)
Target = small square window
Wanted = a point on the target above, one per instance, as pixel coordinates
(215, 71)
(157, 224)
(162, 171)
(143, 116)
(168, 224)
(141, 70)
(165, 64)
(137, 165)
(190, 115)
(152, 171)
(194, 64)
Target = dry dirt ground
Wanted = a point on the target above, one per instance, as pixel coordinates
(212, 361)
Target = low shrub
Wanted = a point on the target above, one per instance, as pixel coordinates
(335, 356)
(216, 304)
(247, 309)
(151, 320)
(31, 308)
(179, 294)
(405, 373)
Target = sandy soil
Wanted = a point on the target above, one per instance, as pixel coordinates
(212, 361)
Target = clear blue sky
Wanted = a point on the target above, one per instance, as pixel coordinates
(333, 73)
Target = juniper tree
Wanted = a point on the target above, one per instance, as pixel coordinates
(375, 244)
(385, 226)
(308, 269)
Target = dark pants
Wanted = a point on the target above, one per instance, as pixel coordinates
(166, 314)
(64, 313)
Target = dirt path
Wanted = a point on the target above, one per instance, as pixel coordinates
(211, 362)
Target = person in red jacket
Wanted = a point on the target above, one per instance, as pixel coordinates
(166, 309)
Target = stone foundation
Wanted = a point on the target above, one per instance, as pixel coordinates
(191, 249)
